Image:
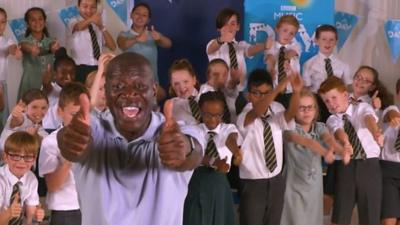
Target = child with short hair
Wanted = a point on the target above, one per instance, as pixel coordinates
(261, 124)
(87, 37)
(62, 198)
(209, 199)
(7, 48)
(27, 115)
(18, 185)
(64, 72)
(355, 127)
(285, 52)
(38, 48)
(183, 91)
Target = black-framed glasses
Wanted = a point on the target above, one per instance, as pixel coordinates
(16, 157)
(207, 115)
(362, 79)
(306, 108)
(259, 94)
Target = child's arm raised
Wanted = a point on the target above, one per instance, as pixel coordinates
(297, 84)
(46, 80)
(392, 116)
(262, 106)
(17, 115)
(231, 143)
(226, 37)
(15, 50)
(94, 89)
(32, 49)
(254, 49)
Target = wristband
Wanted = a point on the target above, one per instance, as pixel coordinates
(192, 145)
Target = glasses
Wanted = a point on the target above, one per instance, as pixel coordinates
(362, 79)
(16, 157)
(207, 115)
(306, 108)
(259, 94)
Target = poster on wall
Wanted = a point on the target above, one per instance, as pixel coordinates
(261, 16)
(68, 13)
(18, 28)
(120, 8)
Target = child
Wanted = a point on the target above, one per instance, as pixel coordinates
(38, 49)
(184, 92)
(261, 124)
(355, 127)
(27, 116)
(95, 83)
(88, 35)
(325, 63)
(303, 171)
(390, 164)
(209, 199)
(7, 47)
(62, 198)
(64, 68)
(284, 49)
(18, 184)
(141, 40)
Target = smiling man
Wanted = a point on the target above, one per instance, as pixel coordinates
(131, 168)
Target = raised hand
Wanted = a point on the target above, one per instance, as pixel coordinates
(269, 42)
(54, 46)
(15, 207)
(226, 35)
(19, 110)
(96, 19)
(155, 34)
(296, 81)
(34, 49)
(104, 60)
(74, 139)
(173, 145)
(376, 101)
(47, 75)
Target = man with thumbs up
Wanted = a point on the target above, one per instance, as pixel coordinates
(133, 167)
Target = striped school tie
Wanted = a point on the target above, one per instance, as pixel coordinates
(194, 107)
(355, 142)
(281, 63)
(328, 67)
(211, 149)
(232, 56)
(15, 192)
(270, 157)
(354, 101)
(95, 44)
(397, 143)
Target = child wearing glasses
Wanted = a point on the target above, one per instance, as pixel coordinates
(303, 172)
(209, 199)
(19, 199)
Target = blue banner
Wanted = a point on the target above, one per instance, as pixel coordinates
(18, 27)
(120, 7)
(67, 14)
(261, 17)
(344, 23)
(392, 31)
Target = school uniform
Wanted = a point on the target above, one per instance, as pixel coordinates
(5, 43)
(360, 181)
(303, 174)
(63, 203)
(284, 98)
(390, 165)
(263, 190)
(80, 46)
(181, 110)
(28, 188)
(131, 182)
(314, 72)
(209, 199)
(51, 121)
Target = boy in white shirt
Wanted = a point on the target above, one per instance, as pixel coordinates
(359, 182)
(261, 124)
(88, 35)
(18, 185)
(62, 198)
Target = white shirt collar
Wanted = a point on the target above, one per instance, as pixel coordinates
(12, 178)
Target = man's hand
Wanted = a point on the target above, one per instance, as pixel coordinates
(173, 145)
(74, 139)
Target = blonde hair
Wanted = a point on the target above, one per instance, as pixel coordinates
(22, 142)
(289, 19)
(307, 93)
(90, 78)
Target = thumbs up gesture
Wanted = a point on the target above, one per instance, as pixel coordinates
(15, 207)
(173, 145)
(74, 139)
(39, 213)
(376, 101)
